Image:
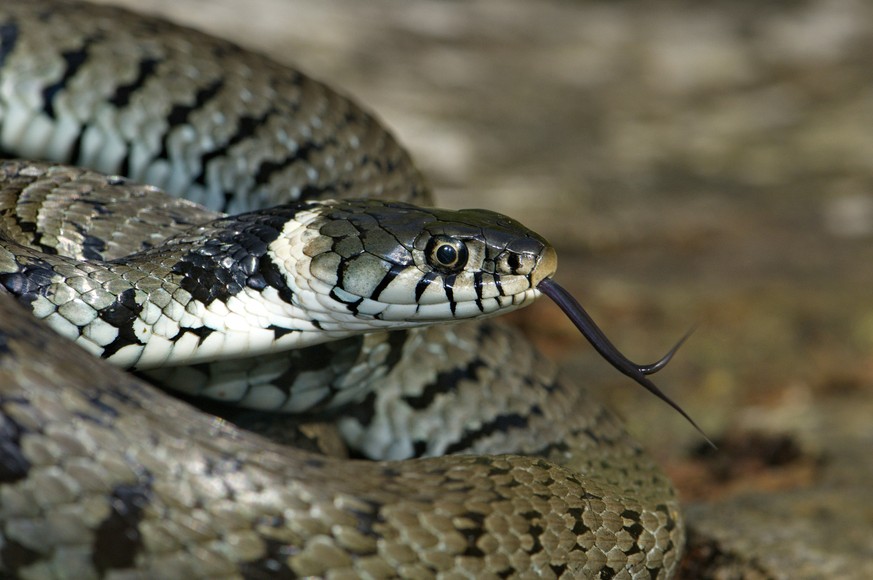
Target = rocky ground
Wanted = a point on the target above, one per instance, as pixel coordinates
(707, 165)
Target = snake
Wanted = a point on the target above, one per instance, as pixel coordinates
(345, 404)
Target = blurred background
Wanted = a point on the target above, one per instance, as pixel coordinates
(705, 165)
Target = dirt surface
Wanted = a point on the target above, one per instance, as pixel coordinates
(696, 165)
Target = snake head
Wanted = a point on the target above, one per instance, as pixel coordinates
(371, 263)
(367, 265)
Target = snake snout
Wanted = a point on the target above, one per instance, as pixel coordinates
(546, 266)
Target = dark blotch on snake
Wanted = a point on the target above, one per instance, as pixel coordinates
(246, 127)
(272, 565)
(445, 382)
(29, 283)
(267, 169)
(200, 332)
(180, 114)
(500, 424)
(121, 314)
(118, 540)
(14, 466)
(93, 248)
(8, 40)
(16, 556)
(123, 93)
(73, 60)
(317, 357)
(235, 256)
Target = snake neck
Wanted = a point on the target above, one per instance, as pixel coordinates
(187, 301)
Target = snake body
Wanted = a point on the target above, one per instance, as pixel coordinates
(488, 464)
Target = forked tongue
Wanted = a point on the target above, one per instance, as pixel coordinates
(607, 350)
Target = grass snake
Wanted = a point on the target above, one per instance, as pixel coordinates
(308, 235)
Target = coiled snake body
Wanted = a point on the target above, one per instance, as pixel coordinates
(103, 475)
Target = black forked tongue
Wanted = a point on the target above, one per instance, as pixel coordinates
(607, 350)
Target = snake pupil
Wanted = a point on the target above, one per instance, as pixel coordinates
(447, 254)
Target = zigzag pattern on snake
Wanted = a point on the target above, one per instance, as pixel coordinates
(487, 464)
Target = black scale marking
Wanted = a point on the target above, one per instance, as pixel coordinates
(180, 114)
(29, 227)
(92, 247)
(445, 382)
(30, 282)
(74, 60)
(235, 257)
(280, 331)
(118, 540)
(268, 168)
(201, 332)
(396, 270)
(273, 564)
(122, 314)
(500, 424)
(423, 283)
(8, 39)
(313, 358)
(396, 340)
(473, 533)
(352, 305)
(15, 556)
(448, 286)
(14, 466)
(121, 98)
(365, 411)
(246, 127)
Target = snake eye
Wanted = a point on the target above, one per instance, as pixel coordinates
(446, 254)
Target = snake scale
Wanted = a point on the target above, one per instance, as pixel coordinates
(471, 457)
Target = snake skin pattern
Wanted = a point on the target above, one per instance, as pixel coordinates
(104, 475)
